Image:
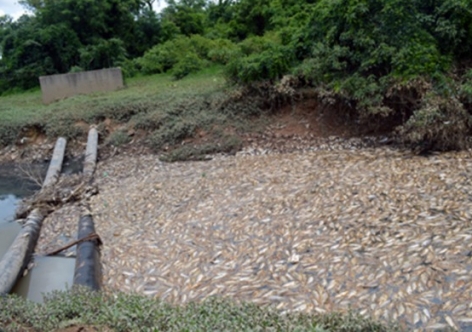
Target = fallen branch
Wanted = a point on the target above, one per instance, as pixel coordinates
(69, 189)
(90, 237)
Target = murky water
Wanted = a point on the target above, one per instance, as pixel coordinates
(73, 165)
(19, 181)
(16, 183)
(8, 205)
(8, 232)
(49, 274)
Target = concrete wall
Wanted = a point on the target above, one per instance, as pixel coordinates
(55, 87)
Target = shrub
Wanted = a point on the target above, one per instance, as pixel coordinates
(439, 124)
(381, 59)
(223, 51)
(118, 138)
(129, 67)
(103, 54)
(258, 44)
(160, 58)
(201, 45)
(183, 54)
(172, 133)
(76, 69)
(265, 60)
(190, 63)
(465, 90)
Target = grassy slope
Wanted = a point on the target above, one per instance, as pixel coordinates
(167, 110)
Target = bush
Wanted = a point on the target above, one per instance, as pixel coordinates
(201, 45)
(270, 64)
(465, 90)
(160, 58)
(183, 55)
(258, 44)
(188, 64)
(103, 54)
(118, 138)
(76, 69)
(439, 124)
(223, 51)
(173, 133)
(130, 68)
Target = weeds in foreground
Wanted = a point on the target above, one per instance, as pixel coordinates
(120, 312)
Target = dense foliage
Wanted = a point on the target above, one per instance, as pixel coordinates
(406, 62)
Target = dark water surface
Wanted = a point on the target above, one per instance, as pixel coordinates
(17, 182)
(8, 232)
(15, 185)
(49, 273)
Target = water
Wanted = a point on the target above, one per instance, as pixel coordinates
(18, 181)
(8, 233)
(49, 274)
(72, 165)
(15, 185)
(8, 205)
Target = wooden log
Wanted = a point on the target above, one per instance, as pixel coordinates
(91, 154)
(55, 165)
(92, 236)
(19, 254)
(87, 263)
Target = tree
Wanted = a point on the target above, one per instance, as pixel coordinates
(251, 17)
(147, 33)
(63, 34)
(187, 15)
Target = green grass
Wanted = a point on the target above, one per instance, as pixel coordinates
(168, 110)
(122, 312)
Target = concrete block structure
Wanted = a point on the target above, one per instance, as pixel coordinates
(56, 87)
